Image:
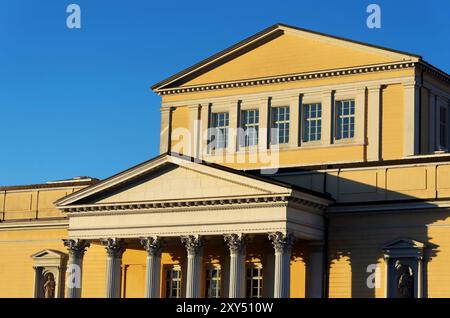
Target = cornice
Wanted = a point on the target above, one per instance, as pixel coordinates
(434, 71)
(185, 206)
(290, 78)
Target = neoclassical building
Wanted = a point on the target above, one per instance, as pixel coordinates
(293, 164)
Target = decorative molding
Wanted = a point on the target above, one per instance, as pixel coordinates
(194, 205)
(290, 78)
(193, 243)
(235, 242)
(114, 246)
(76, 247)
(152, 245)
(282, 243)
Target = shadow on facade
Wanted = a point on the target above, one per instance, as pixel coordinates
(358, 238)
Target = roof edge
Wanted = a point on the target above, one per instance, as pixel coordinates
(261, 34)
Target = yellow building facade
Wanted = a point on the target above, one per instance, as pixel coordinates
(293, 164)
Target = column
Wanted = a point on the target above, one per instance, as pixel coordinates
(314, 274)
(411, 119)
(205, 110)
(234, 115)
(194, 263)
(115, 248)
(194, 131)
(264, 125)
(360, 115)
(76, 248)
(433, 122)
(282, 243)
(374, 123)
(327, 117)
(152, 278)
(236, 244)
(295, 120)
(165, 130)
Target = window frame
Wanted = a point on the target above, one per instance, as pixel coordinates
(179, 280)
(251, 280)
(304, 120)
(350, 116)
(244, 126)
(210, 279)
(278, 122)
(212, 145)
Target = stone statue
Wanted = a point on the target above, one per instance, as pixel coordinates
(49, 286)
(405, 282)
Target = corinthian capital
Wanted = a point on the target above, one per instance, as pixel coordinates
(152, 245)
(235, 242)
(76, 247)
(193, 243)
(281, 242)
(114, 246)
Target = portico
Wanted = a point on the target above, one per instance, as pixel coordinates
(173, 202)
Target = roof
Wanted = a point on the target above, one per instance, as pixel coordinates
(50, 185)
(279, 27)
(71, 197)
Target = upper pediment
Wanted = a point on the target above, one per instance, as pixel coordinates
(174, 179)
(283, 50)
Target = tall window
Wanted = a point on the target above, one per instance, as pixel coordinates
(254, 281)
(280, 125)
(345, 119)
(250, 126)
(312, 122)
(443, 127)
(213, 282)
(173, 282)
(219, 131)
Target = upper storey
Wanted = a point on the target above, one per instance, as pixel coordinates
(291, 97)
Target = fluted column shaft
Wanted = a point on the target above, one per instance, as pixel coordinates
(76, 249)
(236, 245)
(282, 244)
(152, 278)
(115, 248)
(194, 263)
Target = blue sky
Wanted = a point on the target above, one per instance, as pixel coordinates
(77, 102)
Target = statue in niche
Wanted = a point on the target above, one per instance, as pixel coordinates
(49, 286)
(405, 281)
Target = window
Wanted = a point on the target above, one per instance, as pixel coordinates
(443, 127)
(213, 282)
(250, 125)
(219, 131)
(173, 282)
(345, 119)
(312, 122)
(254, 281)
(280, 125)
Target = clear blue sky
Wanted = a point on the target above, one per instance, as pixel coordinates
(77, 102)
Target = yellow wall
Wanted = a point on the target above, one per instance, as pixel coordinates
(392, 122)
(355, 241)
(293, 54)
(16, 264)
(180, 119)
(32, 203)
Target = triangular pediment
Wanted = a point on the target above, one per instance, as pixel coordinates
(403, 243)
(48, 254)
(168, 178)
(283, 50)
